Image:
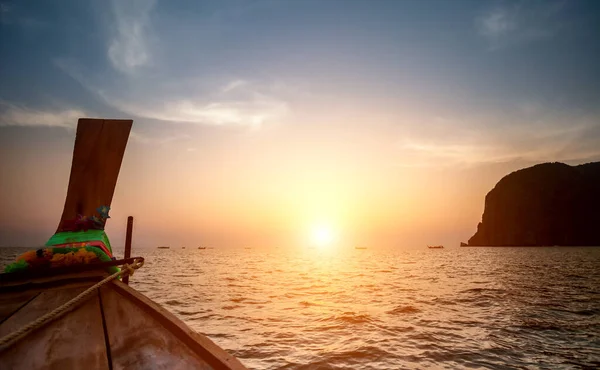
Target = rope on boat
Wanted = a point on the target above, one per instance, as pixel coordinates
(126, 270)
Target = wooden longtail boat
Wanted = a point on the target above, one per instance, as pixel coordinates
(113, 326)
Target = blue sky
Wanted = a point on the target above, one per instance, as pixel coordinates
(201, 61)
(453, 85)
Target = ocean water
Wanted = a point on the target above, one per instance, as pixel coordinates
(499, 308)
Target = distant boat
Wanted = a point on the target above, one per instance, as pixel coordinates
(201, 247)
(163, 247)
(435, 246)
(360, 247)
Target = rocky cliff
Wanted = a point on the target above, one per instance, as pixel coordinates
(547, 204)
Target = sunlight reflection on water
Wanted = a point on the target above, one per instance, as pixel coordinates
(453, 308)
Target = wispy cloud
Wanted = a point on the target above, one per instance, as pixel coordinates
(439, 153)
(254, 112)
(541, 139)
(237, 102)
(234, 85)
(520, 22)
(157, 140)
(18, 115)
(128, 47)
(159, 93)
(498, 23)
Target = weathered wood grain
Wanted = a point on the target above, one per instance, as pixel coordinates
(73, 341)
(10, 303)
(99, 149)
(201, 345)
(138, 341)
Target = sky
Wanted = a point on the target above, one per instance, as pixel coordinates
(279, 123)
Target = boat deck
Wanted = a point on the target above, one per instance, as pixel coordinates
(116, 328)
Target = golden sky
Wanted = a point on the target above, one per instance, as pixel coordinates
(257, 124)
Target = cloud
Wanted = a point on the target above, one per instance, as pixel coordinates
(458, 153)
(237, 102)
(254, 112)
(235, 84)
(539, 138)
(498, 23)
(519, 22)
(128, 48)
(189, 94)
(17, 115)
(145, 139)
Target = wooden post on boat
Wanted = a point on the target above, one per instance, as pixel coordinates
(128, 244)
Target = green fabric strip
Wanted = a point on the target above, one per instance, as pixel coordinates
(79, 237)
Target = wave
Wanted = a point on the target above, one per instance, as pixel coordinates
(308, 304)
(231, 307)
(354, 358)
(403, 310)
(483, 290)
(351, 313)
(348, 318)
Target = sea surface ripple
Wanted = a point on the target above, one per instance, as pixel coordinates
(499, 308)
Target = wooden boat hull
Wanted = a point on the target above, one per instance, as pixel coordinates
(117, 328)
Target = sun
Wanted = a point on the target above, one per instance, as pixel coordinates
(322, 236)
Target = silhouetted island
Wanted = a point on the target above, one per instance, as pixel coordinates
(544, 205)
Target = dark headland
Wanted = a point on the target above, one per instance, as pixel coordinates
(544, 205)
